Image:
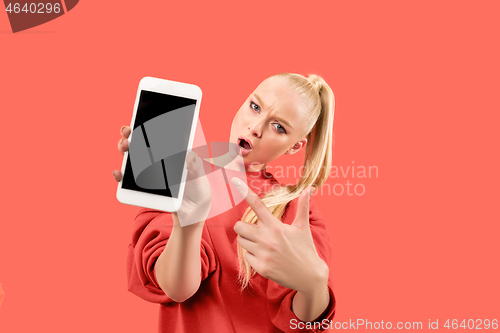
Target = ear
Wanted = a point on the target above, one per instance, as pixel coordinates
(296, 147)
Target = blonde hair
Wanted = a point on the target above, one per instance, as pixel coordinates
(320, 101)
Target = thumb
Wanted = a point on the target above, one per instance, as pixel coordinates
(302, 215)
(194, 166)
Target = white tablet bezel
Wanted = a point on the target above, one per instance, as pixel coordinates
(149, 200)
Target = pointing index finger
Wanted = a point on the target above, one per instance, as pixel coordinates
(253, 200)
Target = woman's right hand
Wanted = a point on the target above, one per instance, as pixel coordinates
(122, 148)
(197, 198)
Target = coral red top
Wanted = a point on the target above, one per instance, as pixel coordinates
(219, 305)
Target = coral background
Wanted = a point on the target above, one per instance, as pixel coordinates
(417, 95)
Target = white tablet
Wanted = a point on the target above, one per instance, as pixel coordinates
(163, 127)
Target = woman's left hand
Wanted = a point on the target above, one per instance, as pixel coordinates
(283, 253)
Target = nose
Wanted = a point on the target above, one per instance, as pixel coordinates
(256, 129)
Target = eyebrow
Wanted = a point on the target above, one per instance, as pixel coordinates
(263, 106)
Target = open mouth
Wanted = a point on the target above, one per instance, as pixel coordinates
(244, 144)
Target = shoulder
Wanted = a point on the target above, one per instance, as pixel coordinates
(143, 222)
(146, 215)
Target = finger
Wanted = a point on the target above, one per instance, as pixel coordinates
(194, 164)
(302, 215)
(117, 175)
(190, 160)
(125, 131)
(246, 230)
(248, 245)
(253, 201)
(252, 261)
(123, 145)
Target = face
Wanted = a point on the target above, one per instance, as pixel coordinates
(270, 123)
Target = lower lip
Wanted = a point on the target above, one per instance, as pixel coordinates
(244, 151)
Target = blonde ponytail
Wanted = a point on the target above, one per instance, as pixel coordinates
(318, 156)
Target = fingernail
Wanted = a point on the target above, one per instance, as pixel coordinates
(121, 129)
(236, 182)
(121, 141)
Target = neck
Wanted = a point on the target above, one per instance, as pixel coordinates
(254, 167)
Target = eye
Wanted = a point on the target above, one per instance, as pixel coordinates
(280, 128)
(255, 107)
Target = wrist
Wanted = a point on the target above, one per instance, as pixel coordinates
(191, 214)
(317, 281)
(188, 230)
(308, 304)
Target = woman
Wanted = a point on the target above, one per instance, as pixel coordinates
(203, 275)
